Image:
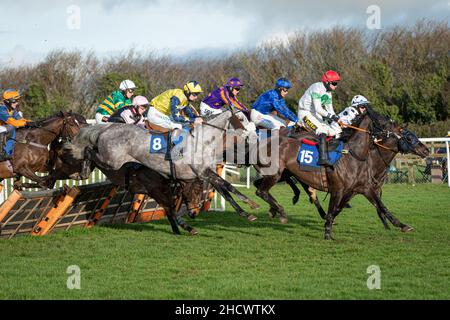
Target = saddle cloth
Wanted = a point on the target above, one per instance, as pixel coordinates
(308, 154)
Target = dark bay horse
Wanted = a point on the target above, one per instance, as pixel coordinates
(361, 171)
(32, 150)
(142, 180)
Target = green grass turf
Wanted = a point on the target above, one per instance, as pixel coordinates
(236, 259)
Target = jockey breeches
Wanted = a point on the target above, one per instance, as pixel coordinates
(160, 119)
(268, 121)
(206, 110)
(99, 118)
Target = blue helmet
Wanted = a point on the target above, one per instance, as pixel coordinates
(283, 83)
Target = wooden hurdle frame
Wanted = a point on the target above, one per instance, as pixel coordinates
(39, 213)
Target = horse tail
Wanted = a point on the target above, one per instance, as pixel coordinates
(87, 137)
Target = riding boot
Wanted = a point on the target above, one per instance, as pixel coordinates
(323, 151)
(3, 155)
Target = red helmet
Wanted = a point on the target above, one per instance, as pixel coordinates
(331, 76)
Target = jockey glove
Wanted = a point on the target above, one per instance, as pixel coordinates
(334, 118)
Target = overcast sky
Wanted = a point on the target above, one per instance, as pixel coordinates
(30, 29)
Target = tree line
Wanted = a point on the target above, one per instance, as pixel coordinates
(403, 71)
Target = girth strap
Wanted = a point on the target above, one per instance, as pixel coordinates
(34, 144)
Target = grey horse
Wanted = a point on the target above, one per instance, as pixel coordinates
(111, 146)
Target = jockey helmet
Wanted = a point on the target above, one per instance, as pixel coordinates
(127, 84)
(140, 101)
(283, 83)
(234, 82)
(331, 76)
(11, 95)
(359, 100)
(192, 87)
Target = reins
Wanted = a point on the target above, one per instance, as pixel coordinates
(375, 141)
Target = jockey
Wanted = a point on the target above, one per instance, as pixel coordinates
(172, 108)
(225, 95)
(359, 104)
(117, 100)
(315, 109)
(133, 114)
(270, 101)
(10, 119)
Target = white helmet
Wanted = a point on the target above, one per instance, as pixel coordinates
(127, 84)
(357, 100)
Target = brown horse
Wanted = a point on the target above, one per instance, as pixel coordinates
(140, 179)
(361, 171)
(32, 151)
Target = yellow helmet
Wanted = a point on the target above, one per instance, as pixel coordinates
(11, 94)
(192, 87)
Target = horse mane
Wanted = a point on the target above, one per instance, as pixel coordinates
(59, 114)
(347, 133)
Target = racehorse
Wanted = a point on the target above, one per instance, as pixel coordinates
(111, 146)
(32, 151)
(142, 180)
(360, 171)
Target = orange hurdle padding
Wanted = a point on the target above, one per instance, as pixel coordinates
(9, 204)
(148, 216)
(136, 206)
(52, 216)
(99, 213)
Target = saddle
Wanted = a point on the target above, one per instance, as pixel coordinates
(154, 127)
(312, 139)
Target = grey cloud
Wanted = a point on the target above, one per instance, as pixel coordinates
(279, 15)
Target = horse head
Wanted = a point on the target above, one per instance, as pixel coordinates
(194, 196)
(400, 139)
(71, 125)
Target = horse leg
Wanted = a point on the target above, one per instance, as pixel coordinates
(171, 216)
(381, 214)
(373, 197)
(333, 211)
(180, 221)
(218, 185)
(18, 185)
(294, 188)
(272, 211)
(312, 194)
(89, 155)
(264, 186)
(230, 188)
(40, 181)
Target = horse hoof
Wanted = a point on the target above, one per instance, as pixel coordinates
(254, 205)
(193, 232)
(283, 220)
(328, 237)
(407, 228)
(251, 218)
(272, 214)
